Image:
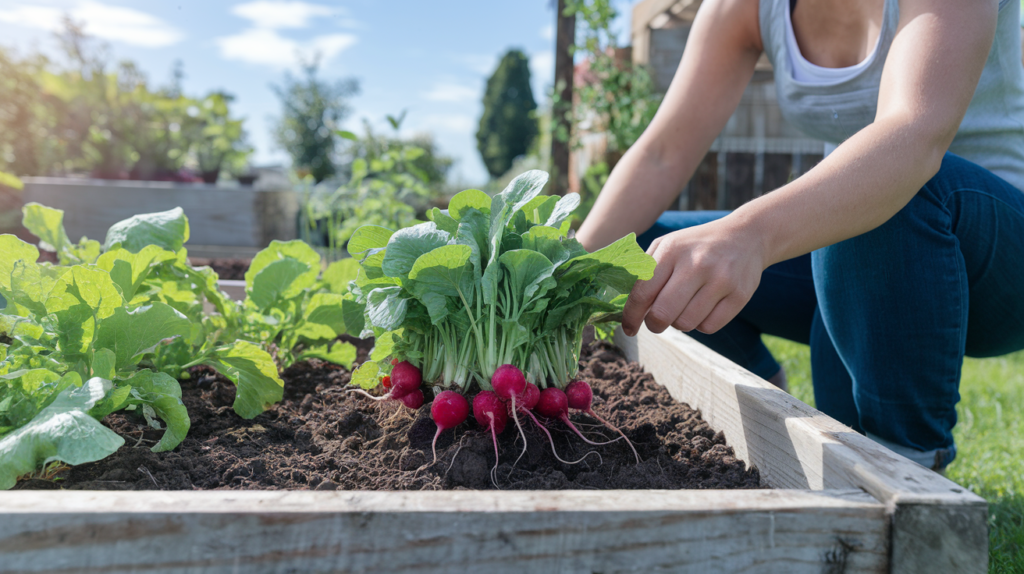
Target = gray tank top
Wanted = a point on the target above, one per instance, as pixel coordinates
(991, 134)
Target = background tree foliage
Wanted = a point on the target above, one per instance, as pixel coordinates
(84, 114)
(507, 127)
(312, 112)
(615, 96)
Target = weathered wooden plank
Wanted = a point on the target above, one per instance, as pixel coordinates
(447, 531)
(217, 215)
(796, 446)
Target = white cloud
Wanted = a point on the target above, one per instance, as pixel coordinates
(457, 123)
(262, 43)
(272, 14)
(548, 32)
(542, 66)
(113, 23)
(267, 47)
(451, 92)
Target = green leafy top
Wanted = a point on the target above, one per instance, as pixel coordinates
(491, 281)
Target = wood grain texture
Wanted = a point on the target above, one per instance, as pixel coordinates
(217, 215)
(935, 520)
(454, 531)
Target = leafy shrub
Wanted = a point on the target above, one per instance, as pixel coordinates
(112, 326)
(617, 97)
(91, 116)
(391, 180)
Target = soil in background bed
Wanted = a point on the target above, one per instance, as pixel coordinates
(226, 268)
(321, 438)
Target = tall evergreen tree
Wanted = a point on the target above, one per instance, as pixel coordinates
(507, 127)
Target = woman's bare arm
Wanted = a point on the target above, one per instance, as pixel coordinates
(717, 64)
(706, 275)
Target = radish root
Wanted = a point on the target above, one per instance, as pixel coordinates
(565, 419)
(521, 433)
(368, 395)
(591, 412)
(552, 441)
(494, 436)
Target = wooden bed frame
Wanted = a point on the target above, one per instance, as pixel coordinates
(839, 503)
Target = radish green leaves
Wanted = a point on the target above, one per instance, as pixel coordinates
(491, 281)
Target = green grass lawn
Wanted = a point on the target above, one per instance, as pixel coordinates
(989, 437)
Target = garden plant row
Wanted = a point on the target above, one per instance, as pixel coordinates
(487, 300)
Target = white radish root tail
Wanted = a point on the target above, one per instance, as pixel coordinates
(565, 419)
(362, 392)
(521, 433)
(616, 429)
(552, 441)
(494, 436)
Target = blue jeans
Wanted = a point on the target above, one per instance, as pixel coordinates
(890, 314)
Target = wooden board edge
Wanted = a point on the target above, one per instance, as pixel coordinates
(931, 538)
(937, 525)
(37, 502)
(812, 450)
(444, 531)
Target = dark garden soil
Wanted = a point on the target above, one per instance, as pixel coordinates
(321, 438)
(225, 268)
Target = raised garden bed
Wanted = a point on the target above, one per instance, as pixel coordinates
(836, 502)
(829, 499)
(243, 217)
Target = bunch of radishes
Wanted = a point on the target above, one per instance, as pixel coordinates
(512, 396)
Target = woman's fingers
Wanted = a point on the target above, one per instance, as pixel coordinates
(654, 245)
(724, 312)
(644, 293)
(671, 301)
(697, 308)
(703, 278)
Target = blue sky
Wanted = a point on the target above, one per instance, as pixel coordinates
(430, 58)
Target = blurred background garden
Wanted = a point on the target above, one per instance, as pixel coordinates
(281, 119)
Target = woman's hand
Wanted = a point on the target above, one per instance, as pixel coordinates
(705, 276)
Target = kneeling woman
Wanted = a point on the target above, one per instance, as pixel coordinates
(897, 255)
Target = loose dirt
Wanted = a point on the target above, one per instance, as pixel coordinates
(320, 437)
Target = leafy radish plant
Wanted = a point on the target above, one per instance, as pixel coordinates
(491, 282)
(490, 297)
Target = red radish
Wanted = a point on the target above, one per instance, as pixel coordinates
(413, 400)
(490, 412)
(386, 382)
(405, 378)
(527, 400)
(553, 404)
(508, 382)
(580, 397)
(449, 410)
(529, 397)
